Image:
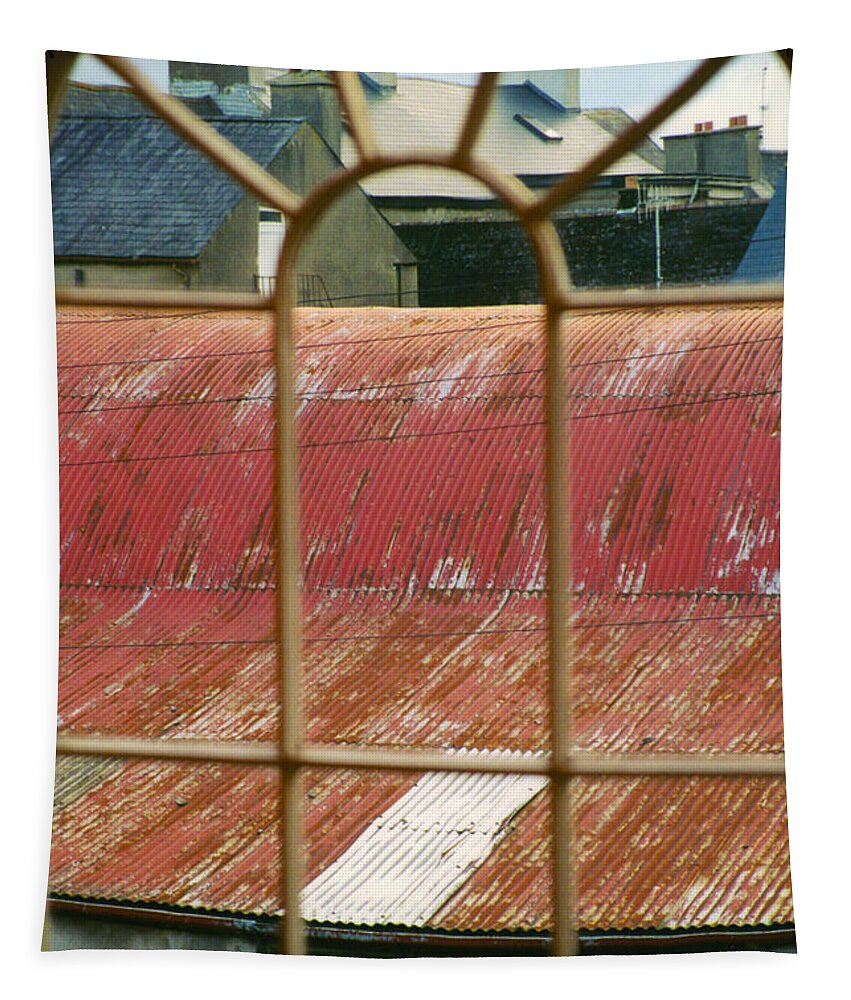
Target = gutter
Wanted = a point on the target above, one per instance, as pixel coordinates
(407, 942)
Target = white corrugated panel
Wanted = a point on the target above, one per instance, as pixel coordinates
(409, 861)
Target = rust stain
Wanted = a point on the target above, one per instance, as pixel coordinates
(627, 500)
(168, 604)
(660, 519)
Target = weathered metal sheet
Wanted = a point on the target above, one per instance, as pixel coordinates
(660, 853)
(420, 850)
(425, 601)
(668, 673)
(203, 836)
(446, 445)
(651, 853)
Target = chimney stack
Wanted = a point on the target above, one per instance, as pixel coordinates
(559, 86)
(309, 94)
(222, 76)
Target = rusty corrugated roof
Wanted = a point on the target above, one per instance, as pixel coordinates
(423, 535)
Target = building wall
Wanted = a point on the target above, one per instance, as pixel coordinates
(217, 73)
(353, 250)
(69, 932)
(314, 100)
(732, 152)
(491, 263)
(353, 247)
(414, 212)
(127, 274)
(773, 164)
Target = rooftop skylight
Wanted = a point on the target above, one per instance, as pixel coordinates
(538, 128)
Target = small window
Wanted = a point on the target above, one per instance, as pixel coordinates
(270, 239)
(79, 276)
(538, 128)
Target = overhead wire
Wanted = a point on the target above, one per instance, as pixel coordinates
(381, 636)
(537, 321)
(519, 425)
(333, 393)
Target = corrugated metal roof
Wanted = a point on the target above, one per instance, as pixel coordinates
(464, 670)
(452, 403)
(651, 853)
(428, 114)
(425, 603)
(419, 852)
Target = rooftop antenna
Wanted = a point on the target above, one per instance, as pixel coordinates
(763, 105)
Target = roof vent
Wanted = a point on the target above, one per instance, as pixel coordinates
(538, 128)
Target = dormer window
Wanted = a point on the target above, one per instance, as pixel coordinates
(538, 128)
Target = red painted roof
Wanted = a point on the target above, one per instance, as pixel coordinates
(423, 536)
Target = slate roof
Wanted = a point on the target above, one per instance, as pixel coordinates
(202, 97)
(764, 259)
(238, 100)
(421, 114)
(101, 102)
(132, 188)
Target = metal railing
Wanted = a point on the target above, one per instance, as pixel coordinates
(292, 753)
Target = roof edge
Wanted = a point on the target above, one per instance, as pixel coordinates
(392, 940)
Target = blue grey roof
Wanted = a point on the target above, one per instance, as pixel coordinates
(98, 102)
(131, 187)
(203, 97)
(239, 100)
(764, 258)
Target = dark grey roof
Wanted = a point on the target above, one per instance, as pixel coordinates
(764, 259)
(203, 97)
(120, 102)
(131, 187)
(239, 100)
(100, 102)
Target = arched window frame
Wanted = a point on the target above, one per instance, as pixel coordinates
(292, 752)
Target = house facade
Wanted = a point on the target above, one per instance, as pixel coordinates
(135, 206)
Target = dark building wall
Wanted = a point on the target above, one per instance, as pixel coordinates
(773, 164)
(71, 931)
(492, 263)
